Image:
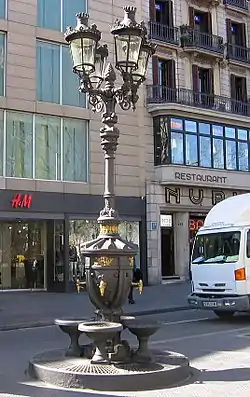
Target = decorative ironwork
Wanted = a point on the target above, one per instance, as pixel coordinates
(109, 229)
(105, 261)
(161, 94)
(164, 33)
(238, 4)
(238, 53)
(192, 38)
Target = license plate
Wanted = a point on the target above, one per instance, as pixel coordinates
(210, 304)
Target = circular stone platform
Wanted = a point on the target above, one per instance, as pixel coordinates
(53, 367)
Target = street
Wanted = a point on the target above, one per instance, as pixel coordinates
(219, 354)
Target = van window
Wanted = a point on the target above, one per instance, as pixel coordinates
(248, 244)
(217, 247)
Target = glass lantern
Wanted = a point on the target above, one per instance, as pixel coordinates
(83, 42)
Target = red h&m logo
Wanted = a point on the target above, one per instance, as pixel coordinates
(22, 201)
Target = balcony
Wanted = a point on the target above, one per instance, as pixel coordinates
(193, 40)
(238, 54)
(239, 5)
(159, 95)
(166, 34)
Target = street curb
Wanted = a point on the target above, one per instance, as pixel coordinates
(48, 323)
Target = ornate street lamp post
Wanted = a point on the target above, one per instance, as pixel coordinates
(109, 275)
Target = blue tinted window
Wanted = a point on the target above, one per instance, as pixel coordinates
(218, 153)
(2, 9)
(70, 9)
(191, 150)
(242, 134)
(230, 132)
(217, 130)
(190, 126)
(2, 64)
(177, 156)
(48, 72)
(176, 124)
(243, 156)
(204, 128)
(70, 92)
(49, 14)
(75, 150)
(230, 155)
(205, 152)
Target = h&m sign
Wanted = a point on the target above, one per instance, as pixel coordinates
(196, 196)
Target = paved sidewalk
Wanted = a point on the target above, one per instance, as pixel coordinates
(33, 309)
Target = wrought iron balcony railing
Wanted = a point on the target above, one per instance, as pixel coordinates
(160, 94)
(192, 38)
(167, 34)
(238, 53)
(242, 4)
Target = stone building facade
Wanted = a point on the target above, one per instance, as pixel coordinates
(198, 99)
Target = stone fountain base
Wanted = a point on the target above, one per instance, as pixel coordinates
(165, 370)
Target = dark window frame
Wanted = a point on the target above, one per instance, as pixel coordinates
(184, 133)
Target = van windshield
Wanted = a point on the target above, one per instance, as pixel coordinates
(216, 248)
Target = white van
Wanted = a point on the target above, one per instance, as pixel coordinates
(220, 262)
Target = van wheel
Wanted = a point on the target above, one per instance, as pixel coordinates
(224, 315)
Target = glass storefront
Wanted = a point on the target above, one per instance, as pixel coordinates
(84, 230)
(22, 259)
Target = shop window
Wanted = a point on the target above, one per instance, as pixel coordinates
(230, 132)
(60, 14)
(48, 148)
(242, 135)
(75, 150)
(190, 126)
(217, 130)
(19, 145)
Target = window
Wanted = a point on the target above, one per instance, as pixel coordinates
(19, 144)
(70, 92)
(177, 148)
(32, 147)
(48, 148)
(75, 150)
(201, 144)
(49, 17)
(1, 141)
(60, 15)
(217, 248)
(191, 150)
(205, 152)
(248, 244)
(2, 64)
(2, 9)
(56, 82)
(48, 72)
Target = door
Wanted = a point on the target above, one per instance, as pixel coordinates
(167, 252)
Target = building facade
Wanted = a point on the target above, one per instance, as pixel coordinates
(198, 100)
(51, 162)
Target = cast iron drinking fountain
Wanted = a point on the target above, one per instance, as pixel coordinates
(115, 364)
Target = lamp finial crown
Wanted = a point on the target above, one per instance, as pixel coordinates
(82, 19)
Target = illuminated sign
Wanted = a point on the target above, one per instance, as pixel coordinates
(21, 201)
(195, 224)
